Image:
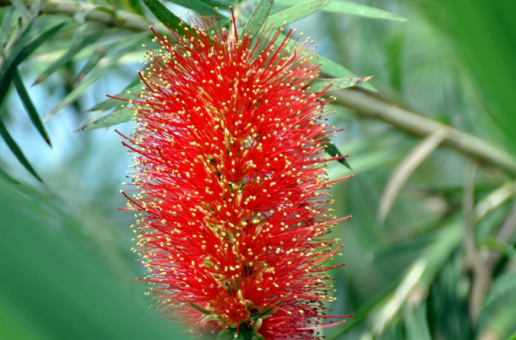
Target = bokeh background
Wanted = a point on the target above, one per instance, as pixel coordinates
(430, 250)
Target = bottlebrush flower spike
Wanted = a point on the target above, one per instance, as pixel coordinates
(232, 185)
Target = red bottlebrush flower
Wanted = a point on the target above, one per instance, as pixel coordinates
(232, 185)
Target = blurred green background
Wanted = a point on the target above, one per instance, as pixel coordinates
(430, 250)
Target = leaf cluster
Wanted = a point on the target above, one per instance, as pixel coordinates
(431, 248)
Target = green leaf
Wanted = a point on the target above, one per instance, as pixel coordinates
(200, 309)
(15, 149)
(258, 17)
(6, 70)
(502, 289)
(95, 58)
(20, 6)
(327, 66)
(507, 249)
(6, 25)
(34, 8)
(21, 51)
(421, 273)
(163, 14)
(96, 75)
(436, 255)
(196, 5)
(333, 151)
(502, 319)
(136, 6)
(484, 35)
(114, 118)
(111, 103)
(29, 106)
(338, 71)
(68, 55)
(38, 41)
(351, 8)
(364, 310)
(336, 83)
(17, 48)
(215, 3)
(77, 92)
(266, 311)
(415, 322)
(297, 12)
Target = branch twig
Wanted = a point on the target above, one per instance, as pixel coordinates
(106, 15)
(421, 126)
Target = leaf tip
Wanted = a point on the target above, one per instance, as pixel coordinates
(37, 81)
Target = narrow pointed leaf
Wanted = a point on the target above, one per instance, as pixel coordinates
(196, 5)
(297, 12)
(5, 82)
(21, 51)
(95, 58)
(6, 24)
(29, 106)
(34, 8)
(258, 17)
(84, 85)
(162, 13)
(21, 42)
(68, 55)
(266, 311)
(329, 67)
(38, 41)
(20, 6)
(338, 71)
(76, 92)
(136, 6)
(364, 310)
(6, 70)
(336, 83)
(333, 151)
(352, 8)
(112, 103)
(15, 149)
(114, 118)
(215, 3)
(200, 309)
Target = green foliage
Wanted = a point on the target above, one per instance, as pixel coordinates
(15, 149)
(116, 117)
(29, 106)
(66, 57)
(196, 5)
(333, 151)
(415, 276)
(297, 12)
(163, 14)
(351, 8)
(484, 33)
(259, 16)
(335, 84)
